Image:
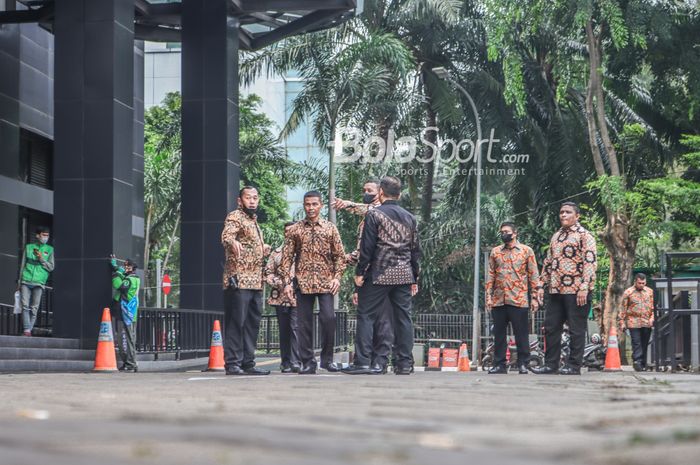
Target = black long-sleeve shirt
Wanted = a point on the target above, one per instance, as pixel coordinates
(389, 249)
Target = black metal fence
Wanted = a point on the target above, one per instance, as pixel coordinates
(188, 332)
(672, 346)
(11, 324)
(175, 330)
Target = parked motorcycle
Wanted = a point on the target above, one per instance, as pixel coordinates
(536, 355)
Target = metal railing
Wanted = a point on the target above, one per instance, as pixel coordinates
(175, 330)
(668, 347)
(187, 331)
(11, 324)
(268, 337)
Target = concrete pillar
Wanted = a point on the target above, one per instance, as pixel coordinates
(210, 155)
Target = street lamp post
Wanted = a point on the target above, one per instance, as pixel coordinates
(442, 73)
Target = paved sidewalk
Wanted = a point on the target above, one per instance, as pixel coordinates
(426, 418)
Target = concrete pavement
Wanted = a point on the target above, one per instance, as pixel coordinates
(425, 418)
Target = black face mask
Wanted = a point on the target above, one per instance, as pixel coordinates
(506, 237)
(250, 211)
(368, 198)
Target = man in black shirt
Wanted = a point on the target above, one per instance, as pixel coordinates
(387, 267)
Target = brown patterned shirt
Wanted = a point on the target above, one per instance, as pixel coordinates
(511, 269)
(316, 251)
(248, 266)
(570, 265)
(637, 308)
(273, 279)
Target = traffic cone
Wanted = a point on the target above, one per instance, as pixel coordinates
(463, 364)
(105, 358)
(612, 356)
(216, 351)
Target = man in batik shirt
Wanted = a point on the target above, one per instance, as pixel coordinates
(512, 267)
(383, 338)
(243, 282)
(637, 315)
(314, 247)
(569, 276)
(286, 310)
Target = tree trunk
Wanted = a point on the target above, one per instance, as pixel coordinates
(146, 253)
(620, 244)
(170, 243)
(621, 247)
(427, 207)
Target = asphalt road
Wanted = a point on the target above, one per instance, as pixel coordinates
(425, 418)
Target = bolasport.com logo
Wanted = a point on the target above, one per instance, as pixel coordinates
(449, 155)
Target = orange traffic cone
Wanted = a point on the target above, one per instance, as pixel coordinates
(612, 357)
(105, 358)
(216, 351)
(463, 364)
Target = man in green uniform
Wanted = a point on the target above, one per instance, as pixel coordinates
(124, 310)
(37, 263)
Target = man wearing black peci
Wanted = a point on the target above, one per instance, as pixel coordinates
(387, 267)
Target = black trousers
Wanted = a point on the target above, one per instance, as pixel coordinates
(371, 299)
(562, 308)
(640, 342)
(305, 319)
(289, 345)
(241, 325)
(383, 337)
(517, 317)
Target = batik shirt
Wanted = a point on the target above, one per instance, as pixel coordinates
(511, 269)
(570, 265)
(273, 279)
(359, 209)
(389, 248)
(316, 251)
(637, 308)
(247, 267)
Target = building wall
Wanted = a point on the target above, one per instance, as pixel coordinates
(26, 129)
(162, 75)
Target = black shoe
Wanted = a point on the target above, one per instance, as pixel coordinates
(286, 368)
(254, 371)
(131, 369)
(332, 367)
(567, 370)
(498, 370)
(235, 370)
(308, 370)
(545, 370)
(378, 369)
(637, 366)
(296, 368)
(522, 369)
(357, 370)
(403, 370)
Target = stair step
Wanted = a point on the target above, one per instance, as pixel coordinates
(34, 353)
(39, 342)
(45, 366)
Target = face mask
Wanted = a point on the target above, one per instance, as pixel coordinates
(250, 211)
(368, 198)
(43, 240)
(506, 237)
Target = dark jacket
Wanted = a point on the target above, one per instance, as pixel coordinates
(389, 249)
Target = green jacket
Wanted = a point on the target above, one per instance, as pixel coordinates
(125, 286)
(36, 270)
